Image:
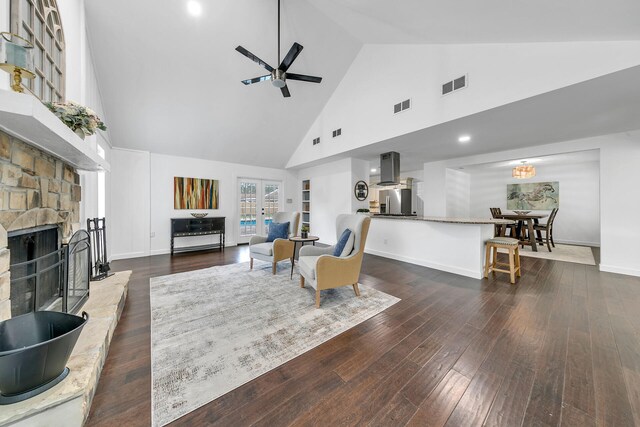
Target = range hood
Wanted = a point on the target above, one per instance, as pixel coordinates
(389, 168)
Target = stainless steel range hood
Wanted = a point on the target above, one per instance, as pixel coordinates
(389, 168)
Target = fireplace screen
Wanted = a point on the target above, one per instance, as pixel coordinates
(46, 276)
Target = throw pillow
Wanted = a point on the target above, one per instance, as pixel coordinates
(278, 231)
(345, 244)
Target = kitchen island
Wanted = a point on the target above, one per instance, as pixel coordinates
(455, 245)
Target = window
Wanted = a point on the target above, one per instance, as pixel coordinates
(39, 22)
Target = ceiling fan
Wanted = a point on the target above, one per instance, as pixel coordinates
(279, 76)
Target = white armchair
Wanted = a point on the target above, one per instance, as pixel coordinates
(320, 269)
(279, 249)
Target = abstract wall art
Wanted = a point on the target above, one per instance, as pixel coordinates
(535, 195)
(195, 193)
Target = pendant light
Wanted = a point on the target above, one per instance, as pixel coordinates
(523, 171)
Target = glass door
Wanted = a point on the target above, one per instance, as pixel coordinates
(259, 200)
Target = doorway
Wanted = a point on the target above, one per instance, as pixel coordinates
(259, 200)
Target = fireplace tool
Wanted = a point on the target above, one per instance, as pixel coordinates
(98, 260)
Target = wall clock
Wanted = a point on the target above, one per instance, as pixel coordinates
(361, 190)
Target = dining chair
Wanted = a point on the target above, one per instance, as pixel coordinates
(496, 213)
(548, 230)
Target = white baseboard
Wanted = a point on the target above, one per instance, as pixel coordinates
(577, 243)
(436, 266)
(128, 255)
(620, 270)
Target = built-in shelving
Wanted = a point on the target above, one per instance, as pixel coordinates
(306, 203)
(25, 117)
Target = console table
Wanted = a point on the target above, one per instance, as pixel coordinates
(189, 227)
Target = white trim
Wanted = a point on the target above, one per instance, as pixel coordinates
(167, 251)
(620, 270)
(574, 242)
(128, 255)
(448, 268)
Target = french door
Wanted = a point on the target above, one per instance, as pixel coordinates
(259, 200)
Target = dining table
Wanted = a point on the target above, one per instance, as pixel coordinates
(524, 220)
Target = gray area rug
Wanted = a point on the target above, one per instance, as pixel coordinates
(215, 329)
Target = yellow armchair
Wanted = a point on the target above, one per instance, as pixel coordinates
(279, 249)
(321, 270)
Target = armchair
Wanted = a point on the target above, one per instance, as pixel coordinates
(320, 269)
(279, 249)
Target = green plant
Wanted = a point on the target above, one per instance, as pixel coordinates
(362, 210)
(305, 228)
(77, 117)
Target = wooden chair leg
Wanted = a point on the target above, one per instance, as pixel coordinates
(317, 298)
(548, 241)
(494, 264)
(487, 261)
(356, 289)
(512, 267)
(251, 264)
(301, 281)
(273, 268)
(518, 269)
(552, 244)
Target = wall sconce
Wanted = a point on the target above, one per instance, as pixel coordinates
(16, 58)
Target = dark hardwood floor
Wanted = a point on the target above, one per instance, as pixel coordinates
(562, 347)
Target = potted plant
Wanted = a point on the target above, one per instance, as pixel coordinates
(80, 119)
(304, 231)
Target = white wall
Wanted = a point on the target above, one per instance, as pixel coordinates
(129, 221)
(164, 168)
(619, 227)
(383, 75)
(458, 194)
(331, 194)
(578, 220)
(142, 197)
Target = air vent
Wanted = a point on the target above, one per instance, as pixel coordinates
(455, 84)
(316, 141)
(402, 106)
(337, 132)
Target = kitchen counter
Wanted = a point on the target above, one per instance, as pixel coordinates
(455, 245)
(449, 220)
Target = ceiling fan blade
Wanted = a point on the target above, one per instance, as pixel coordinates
(254, 58)
(295, 50)
(257, 79)
(285, 91)
(302, 77)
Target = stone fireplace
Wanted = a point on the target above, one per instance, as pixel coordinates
(38, 192)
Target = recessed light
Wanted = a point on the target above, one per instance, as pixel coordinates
(194, 8)
(373, 169)
(464, 138)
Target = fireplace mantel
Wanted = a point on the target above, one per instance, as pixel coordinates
(25, 117)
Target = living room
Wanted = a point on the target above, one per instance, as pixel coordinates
(206, 247)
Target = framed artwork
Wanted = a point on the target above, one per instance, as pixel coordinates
(534, 195)
(361, 190)
(195, 193)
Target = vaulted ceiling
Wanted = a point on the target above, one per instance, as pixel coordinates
(170, 82)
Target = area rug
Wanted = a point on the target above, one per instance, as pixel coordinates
(215, 329)
(567, 253)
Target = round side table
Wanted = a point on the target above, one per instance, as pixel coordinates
(302, 241)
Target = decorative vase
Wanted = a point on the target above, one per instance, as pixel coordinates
(304, 234)
(80, 133)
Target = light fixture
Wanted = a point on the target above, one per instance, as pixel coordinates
(464, 138)
(16, 58)
(373, 170)
(194, 8)
(523, 171)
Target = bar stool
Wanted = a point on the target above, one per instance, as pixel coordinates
(514, 257)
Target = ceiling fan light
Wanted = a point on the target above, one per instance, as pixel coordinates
(279, 83)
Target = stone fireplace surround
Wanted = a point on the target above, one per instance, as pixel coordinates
(35, 189)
